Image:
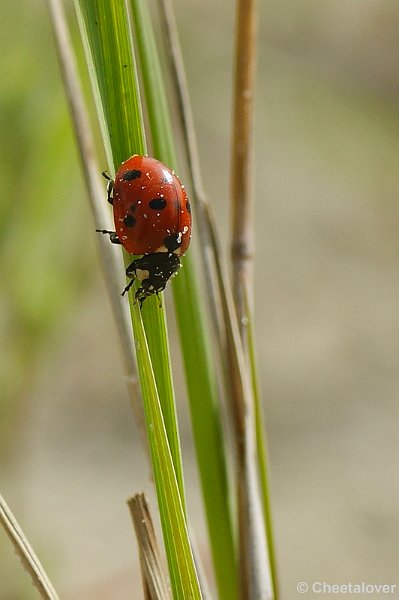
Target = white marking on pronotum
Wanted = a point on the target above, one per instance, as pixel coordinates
(142, 274)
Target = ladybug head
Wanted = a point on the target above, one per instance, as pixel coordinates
(153, 271)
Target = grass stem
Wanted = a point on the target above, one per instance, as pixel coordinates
(25, 552)
(154, 580)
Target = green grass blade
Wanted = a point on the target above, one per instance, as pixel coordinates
(155, 326)
(181, 564)
(208, 436)
(153, 84)
(261, 444)
(200, 375)
(114, 75)
(109, 48)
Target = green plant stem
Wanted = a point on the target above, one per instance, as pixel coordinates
(181, 563)
(200, 376)
(109, 48)
(107, 36)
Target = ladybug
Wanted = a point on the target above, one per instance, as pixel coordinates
(152, 217)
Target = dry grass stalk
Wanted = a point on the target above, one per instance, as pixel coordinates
(242, 234)
(25, 552)
(209, 247)
(242, 252)
(255, 581)
(154, 579)
(109, 256)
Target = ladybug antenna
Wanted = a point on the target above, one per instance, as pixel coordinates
(106, 176)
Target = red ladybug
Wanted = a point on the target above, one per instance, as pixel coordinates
(152, 217)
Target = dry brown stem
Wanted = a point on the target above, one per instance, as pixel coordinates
(242, 234)
(109, 256)
(25, 552)
(154, 579)
(255, 580)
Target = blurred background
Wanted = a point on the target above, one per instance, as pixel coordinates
(327, 310)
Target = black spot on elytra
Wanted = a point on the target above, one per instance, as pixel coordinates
(131, 174)
(129, 221)
(157, 203)
(188, 206)
(133, 208)
(172, 242)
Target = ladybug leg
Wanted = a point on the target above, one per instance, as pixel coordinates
(131, 269)
(159, 299)
(131, 272)
(110, 187)
(141, 300)
(112, 235)
(127, 288)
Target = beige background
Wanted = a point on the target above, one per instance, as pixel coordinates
(327, 313)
